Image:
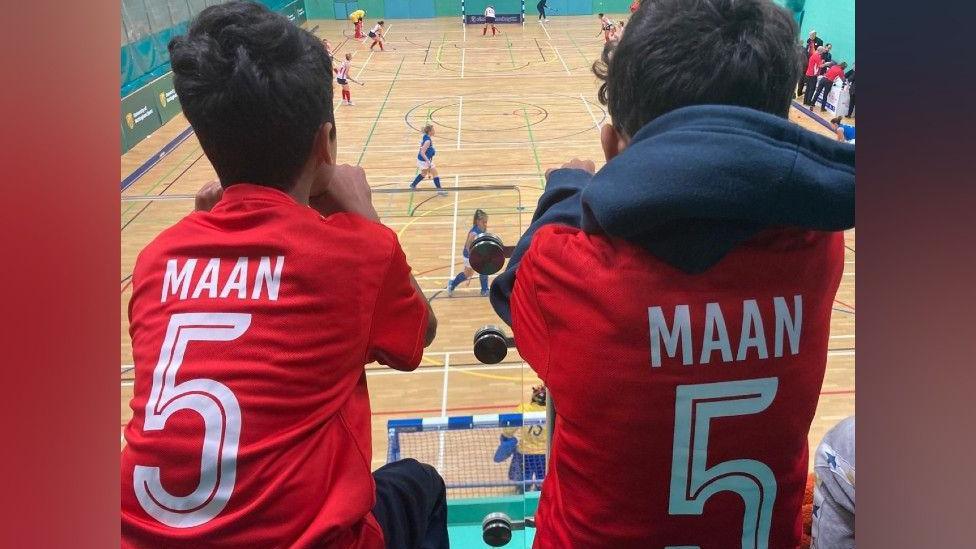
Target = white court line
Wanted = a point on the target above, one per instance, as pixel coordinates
(561, 60)
(440, 451)
(460, 106)
(596, 123)
(545, 29)
(371, 52)
(450, 268)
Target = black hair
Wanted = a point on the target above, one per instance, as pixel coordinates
(599, 15)
(256, 89)
(677, 53)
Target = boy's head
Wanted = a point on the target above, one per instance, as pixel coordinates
(348, 56)
(678, 53)
(256, 89)
(835, 122)
(600, 15)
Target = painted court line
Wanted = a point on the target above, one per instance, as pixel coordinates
(440, 451)
(561, 60)
(378, 115)
(156, 158)
(460, 107)
(450, 268)
(596, 123)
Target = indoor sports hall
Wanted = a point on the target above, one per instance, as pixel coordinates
(505, 106)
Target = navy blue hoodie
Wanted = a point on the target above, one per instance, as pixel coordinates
(696, 182)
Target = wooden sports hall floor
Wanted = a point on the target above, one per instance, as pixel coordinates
(505, 109)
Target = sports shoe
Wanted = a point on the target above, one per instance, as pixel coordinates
(350, 103)
(450, 288)
(442, 193)
(484, 293)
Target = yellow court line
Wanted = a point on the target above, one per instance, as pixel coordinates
(489, 376)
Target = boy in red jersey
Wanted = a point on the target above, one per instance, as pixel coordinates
(689, 282)
(253, 317)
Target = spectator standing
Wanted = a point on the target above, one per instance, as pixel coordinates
(833, 73)
(813, 67)
(813, 42)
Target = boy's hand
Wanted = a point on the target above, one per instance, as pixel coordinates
(208, 196)
(346, 191)
(575, 164)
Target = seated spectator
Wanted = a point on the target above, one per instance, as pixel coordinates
(660, 298)
(833, 493)
(827, 82)
(251, 421)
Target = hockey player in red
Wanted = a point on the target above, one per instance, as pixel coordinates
(689, 282)
(252, 319)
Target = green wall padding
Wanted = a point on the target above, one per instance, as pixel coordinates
(611, 6)
(320, 9)
(834, 22)
(472, 7)
(447, 8)
(375, 10)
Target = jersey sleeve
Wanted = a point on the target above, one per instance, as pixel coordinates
(528, 321)
(399, 322)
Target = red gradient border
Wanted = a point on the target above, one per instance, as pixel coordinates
(60, 247)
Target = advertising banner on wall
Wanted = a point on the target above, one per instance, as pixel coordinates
(166, 100)
(140, 116)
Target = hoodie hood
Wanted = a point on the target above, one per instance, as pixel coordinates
(698, 181)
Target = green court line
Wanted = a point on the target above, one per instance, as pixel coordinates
(439, 48)
(535, 153)
(585, 58)
(379, 114)
(510, 50)
(164, 176)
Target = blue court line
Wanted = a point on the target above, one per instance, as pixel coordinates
(154, 159)
(816, 117)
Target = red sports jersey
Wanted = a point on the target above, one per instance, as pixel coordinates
(683, 401)
(834, 72)
(250, 328)
(813, 64)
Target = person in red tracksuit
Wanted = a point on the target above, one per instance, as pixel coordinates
(813, 70)
(677, 302)
(827, 82)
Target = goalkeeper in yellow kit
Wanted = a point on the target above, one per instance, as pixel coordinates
(528, 450)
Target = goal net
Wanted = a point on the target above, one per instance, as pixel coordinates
(506, 11)
(478, 456)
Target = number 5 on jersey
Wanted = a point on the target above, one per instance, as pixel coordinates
(221, 414)
(693, 482)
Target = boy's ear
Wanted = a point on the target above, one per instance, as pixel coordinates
(613, 141)
(325, 144)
